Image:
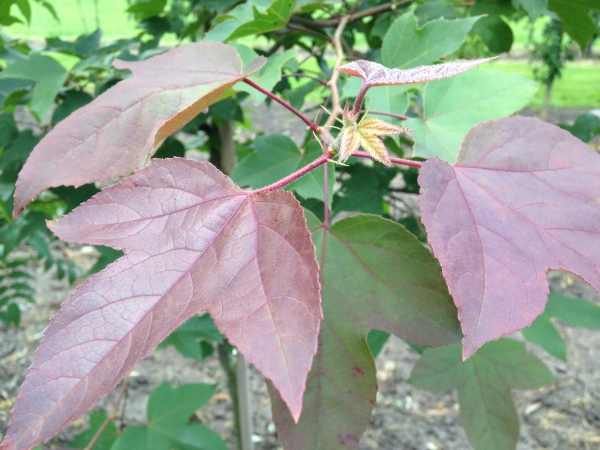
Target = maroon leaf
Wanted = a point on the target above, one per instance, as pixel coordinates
(117, 132)
(193, 242)
(374, 74)
(521, 199)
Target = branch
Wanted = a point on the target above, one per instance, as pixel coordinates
(293, 177)
(313, 126)
(335, 95)
(351, 18)
(309, 31)
(110, 417)
(404, 162)
(298, 75)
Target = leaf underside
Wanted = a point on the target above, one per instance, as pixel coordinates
(117, 132)
(374, 274)
(374, 74)
(521, 199)
(193, 242)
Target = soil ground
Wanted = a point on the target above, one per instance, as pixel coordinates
(562, 415)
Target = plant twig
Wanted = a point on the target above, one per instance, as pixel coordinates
(383, 113)
(309, 31)
(325, 192)
(351, 18)
(110, 417)
(339, 59)
(293, 177)
(404, 162)
(313, 126)
(298, 75)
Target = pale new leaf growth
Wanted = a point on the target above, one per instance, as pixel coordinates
(374, 74)
(365, 134)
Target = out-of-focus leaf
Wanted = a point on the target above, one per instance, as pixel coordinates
(107, 256)
(374, 274)
(575, 20)
(5, 17)
(451, 107)
(168, 413)
(186, 337)
(376, 339)
(406, 46)
(586, 126)
(572, 311)
(118, 131)
(193, 242)
(266, 77)
(252, 17)
(434, 9)
(521, 199)
(487, 411)
(277, 156)
(364, 190)
(147, 8)
(495, 33)
(48, 75)
(74, 100)
(8, 129)
(106, 439)
(18, 150)
(87, 45)
(533, 7)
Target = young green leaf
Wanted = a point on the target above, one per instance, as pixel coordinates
(186, 337)
(487, 411)
(193, 242)
(521, 199)
(106, 439)
(118, 131)
(374, 274)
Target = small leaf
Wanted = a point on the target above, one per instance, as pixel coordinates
(374, 74)
(575, 20)
(487, 411)
(374, 274)
(193, 242)
(521, 199)
(118, 131)
(186, 337)
(365, 134)
(168, 412)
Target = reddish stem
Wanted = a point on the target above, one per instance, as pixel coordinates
(293, 177)
(359, 98)
(309, 31)
(286, 75)
(313, 126)
(404, 162)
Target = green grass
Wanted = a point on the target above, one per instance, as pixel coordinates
(579, 86)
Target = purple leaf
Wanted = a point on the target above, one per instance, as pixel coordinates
(374, 74)
(521, 199)
(117, 132)
(193, 242)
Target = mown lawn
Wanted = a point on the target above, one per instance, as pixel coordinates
(579, 86)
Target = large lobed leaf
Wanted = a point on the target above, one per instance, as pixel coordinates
(451, 107)
(193, 242)
(521, 199)
(374, 274)
(487, 411)
(118, 131)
